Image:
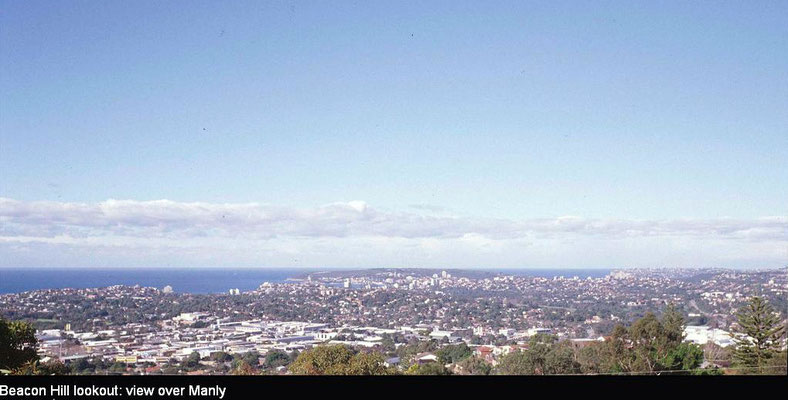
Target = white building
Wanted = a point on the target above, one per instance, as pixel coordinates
(325, 335)
(508, 332)
(536, 331)
(190, 318)
(703, 334)
(450, 335)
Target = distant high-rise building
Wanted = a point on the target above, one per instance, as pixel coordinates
(167, 289)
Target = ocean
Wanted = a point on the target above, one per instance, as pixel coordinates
(196, 280)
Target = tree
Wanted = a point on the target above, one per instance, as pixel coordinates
(515, 363)
(649, 345)
(673, 324)
(453, 353)
(592, 357)
(673, 352)
(759, 336)
(53, 367)
(28, 368)
(432, 368)
(560, 360)
(251, 357)
(18, 344)
(193, 361)
(475, 366)
(81, 366)
(685, 356)
(322, 360)
(544, 356)
(408, 352)
(387, 345)
(539, 347)
(243, 368)
(118, 367)
(337, 360)
(276, 358)
(220, 356)
(647, 336)
(618, 354)
(366, 364)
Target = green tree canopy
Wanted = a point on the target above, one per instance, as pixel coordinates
(649, 345)
(475, 366)
(432, 368)
(220, 356)
(759, 338)
(243, 368)
(453, 353)
(18, 344)
(543, 356)
(276, 358)
(337, 360)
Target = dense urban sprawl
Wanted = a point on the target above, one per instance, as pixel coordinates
(409, 316)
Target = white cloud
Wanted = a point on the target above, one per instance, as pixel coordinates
(163, 232)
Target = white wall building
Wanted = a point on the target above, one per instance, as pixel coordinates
(703, 334)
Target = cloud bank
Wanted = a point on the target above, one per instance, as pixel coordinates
(169, 233)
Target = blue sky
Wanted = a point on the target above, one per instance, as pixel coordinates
(470, 111)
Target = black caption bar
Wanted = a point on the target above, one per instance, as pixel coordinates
(367, 387)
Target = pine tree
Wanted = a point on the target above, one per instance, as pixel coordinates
(761, 333)
(673, 323)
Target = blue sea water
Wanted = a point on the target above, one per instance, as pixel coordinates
(196, 280)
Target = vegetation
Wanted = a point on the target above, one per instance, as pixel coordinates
(474, 366)
(408, 352)
(544, 355)
(244, 368)
(432, 368)
(17, 345)
(758, 345)
(338, 360)
(277, 358)
(650, 345)
(453, 353)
